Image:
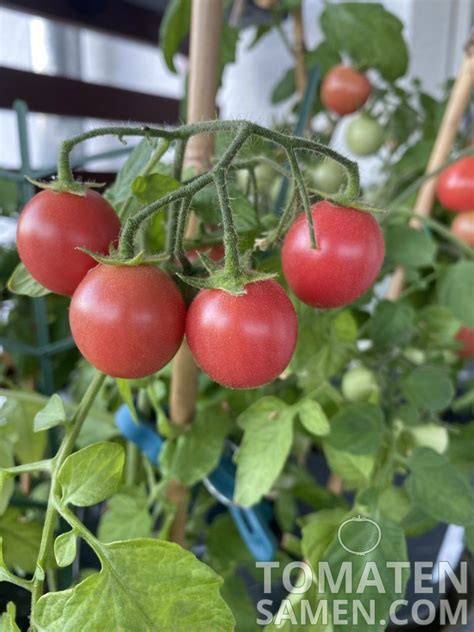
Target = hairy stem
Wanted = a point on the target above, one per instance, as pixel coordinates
(298, 178)
(65, 449)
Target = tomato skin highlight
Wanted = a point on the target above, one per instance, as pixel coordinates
(455, 186)
(344, 90)
(463, 227)
(242, 341)
(127, 321)
(465, 336)
(349, 255)
(53, 225)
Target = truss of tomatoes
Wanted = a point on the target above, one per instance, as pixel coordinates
(129, 321)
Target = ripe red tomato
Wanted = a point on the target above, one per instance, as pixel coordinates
(127, 321)
(463, 227)
(455, 187)
(465, 336)
(344, 90)
(50, 228)
(349, 255)
(242, 341)
(215, 253)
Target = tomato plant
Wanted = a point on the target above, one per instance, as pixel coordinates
(364, 136)
(346, 261)
(344, 90)
(127, 321)
(257, 331)
(52, 227)
(455, 186)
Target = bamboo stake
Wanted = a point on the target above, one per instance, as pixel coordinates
(455, 109)
(206, 20)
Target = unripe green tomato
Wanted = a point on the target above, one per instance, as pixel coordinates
(359, 385)
(364, 135)
(328, 176)
(264, 173)
(431, 436)
(417, 356)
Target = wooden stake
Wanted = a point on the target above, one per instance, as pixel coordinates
(455, 109)
(299, 50)
(206, 21)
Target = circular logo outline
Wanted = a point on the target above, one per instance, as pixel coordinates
(359, 518)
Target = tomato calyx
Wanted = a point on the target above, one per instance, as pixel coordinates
(142, 258)
(66, 186)
(221, 279)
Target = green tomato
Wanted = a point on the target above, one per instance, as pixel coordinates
(327, 176)
(359, 385)
(431, 436)
(364, 135)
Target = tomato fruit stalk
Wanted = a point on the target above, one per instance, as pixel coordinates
(52, 227)
(242, 341)
(127, 321)
(347, 260)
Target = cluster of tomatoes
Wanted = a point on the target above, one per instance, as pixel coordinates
(455, 191)
(130, 320)
(345, 90)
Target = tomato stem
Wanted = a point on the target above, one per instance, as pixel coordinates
(173, 210)
(300, 183)
(179, 237)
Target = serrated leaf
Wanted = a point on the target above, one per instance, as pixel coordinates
(17, 410)
(92, 474)
(409, 247)
(154, 186)
(455, 291)
(268, 435)
(53, 414)
(354, 469)
(65, 548)
(174, 27)
(439, 488)
(194, 454)
(392, 324)
(126, 517)
(145, 585)
(318, 533)
(357, 428)
(21, 282)
(428, 388)
(313, 417)
(369, 34)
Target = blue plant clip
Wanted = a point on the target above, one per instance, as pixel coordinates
(251, 522)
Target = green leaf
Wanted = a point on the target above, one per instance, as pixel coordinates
(94, 473)
(344, 326)
(20, 540)
(65, 548)
(225, 547)
(246, 218)
(194, 454)
(21, 282)
(358, 534)
(313, 417)
(174, 27)
(150, 188)
(437, 324)
(325, 55)
(268, 435)
(354, 469)
(394, 503)
(409, 247)
(370, 35)
(126, 517)
(357, 428)
(126, 394)
(393, 324)
(17, 410)
(455, 291)
(8, 620)
(53, 414)
(144, 585)
(428, 388)
(285, 88)
(318, 533)
(229, 40)
(437, 486)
